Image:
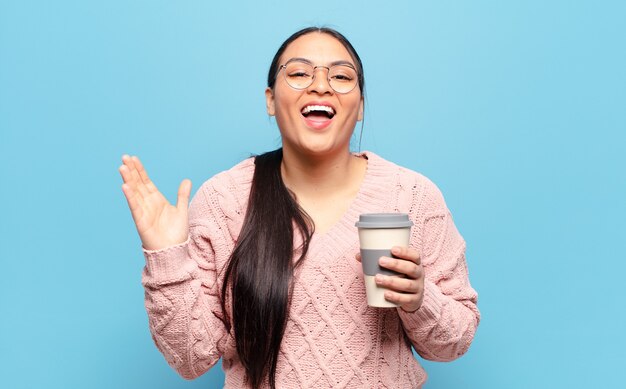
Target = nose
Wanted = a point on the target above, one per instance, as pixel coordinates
(320, 81)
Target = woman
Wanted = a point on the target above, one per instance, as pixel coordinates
(262, 269)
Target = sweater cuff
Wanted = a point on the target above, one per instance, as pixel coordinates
(170, 263)
(430, 311)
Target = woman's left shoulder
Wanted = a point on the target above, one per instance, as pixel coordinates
(407, 180)
(403, 173)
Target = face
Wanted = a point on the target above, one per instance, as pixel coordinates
(303, 115)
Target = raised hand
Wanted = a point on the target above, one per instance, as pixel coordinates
(158, 223)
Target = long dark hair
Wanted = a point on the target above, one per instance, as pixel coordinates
(261, 266)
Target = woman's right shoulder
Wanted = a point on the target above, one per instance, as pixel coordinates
(227, 191)
(235, 178)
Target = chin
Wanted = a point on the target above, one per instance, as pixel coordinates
(322, 149)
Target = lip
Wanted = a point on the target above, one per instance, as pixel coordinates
(318, 124)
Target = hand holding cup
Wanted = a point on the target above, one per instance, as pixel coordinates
(393, 273)
(408, 291)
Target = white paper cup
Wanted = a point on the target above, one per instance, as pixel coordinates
(378, 233)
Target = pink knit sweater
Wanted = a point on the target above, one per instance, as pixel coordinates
(333, 339)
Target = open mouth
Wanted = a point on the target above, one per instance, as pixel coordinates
(318, 112)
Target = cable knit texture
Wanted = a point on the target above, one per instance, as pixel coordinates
(333, 339)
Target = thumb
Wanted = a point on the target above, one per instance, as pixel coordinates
(184, 190)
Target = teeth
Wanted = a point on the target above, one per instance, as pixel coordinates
(324, 108)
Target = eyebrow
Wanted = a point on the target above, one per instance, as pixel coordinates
(340, 62)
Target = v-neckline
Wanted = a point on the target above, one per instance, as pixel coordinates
(375, 194)
(369, 198)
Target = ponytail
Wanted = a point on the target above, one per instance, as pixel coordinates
(260, 269)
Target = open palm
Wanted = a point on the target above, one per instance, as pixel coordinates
(158, 223)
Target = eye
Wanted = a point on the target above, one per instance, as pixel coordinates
(298, 70)
(342, 74)
(298, 74)
(342, 77)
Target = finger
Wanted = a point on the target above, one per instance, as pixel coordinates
(134, 202)
(358, 256)
(128, 162)
(126, 176)
(403, 299)
(129, 172)
(407, 267)
(406, 253)
(126, 171)
(184, 191)
(398, 284)
(143, 174)
(134, 171)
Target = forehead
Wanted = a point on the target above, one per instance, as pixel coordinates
(319, 48)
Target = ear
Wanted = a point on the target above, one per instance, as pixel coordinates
(360, 117)
(269, 101)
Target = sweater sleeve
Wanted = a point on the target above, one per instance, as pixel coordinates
(182, 295)
(442, 329)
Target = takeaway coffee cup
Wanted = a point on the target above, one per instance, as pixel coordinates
(378, 233)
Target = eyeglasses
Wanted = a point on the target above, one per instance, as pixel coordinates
(300, 75)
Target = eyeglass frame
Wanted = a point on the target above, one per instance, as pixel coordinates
(305, 61)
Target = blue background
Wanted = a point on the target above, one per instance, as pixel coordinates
(515, 109)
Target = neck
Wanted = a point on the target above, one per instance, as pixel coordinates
(322, 175)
